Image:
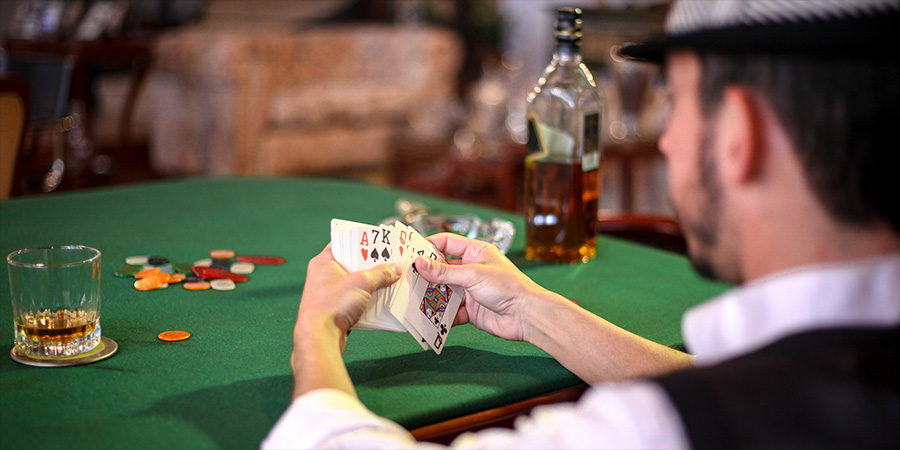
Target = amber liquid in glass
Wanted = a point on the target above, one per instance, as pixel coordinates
(561, 211)
(57, 333)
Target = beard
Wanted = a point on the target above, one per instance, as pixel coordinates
(702, 232)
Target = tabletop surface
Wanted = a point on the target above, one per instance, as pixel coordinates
(226, 385)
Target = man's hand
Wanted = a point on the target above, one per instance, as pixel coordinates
(332, 302)
(332, 292)
(499, 296)
(504, 302)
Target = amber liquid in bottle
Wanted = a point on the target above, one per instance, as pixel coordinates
(561, 211)
(562, 184)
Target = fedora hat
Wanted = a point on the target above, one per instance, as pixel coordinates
(854, 28)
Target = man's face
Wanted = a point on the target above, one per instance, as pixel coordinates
(688, 145)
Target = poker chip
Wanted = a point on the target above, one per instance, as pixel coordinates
(260, 259)
(197, 285)
(148, 283)
(212, 273)
(149, 272)
(243, 268)
(221, 264)
(220, 271)
(206, 262)
(173, 335)
(222, 284)
(221, 254)
(177, 278)
(157, 260)
(137, 260)
(127, 271)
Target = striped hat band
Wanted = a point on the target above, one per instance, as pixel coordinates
(860, 28)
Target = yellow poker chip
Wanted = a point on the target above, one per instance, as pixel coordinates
(221, 254)
(173, 335)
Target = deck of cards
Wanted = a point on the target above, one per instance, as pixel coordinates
(424, 309)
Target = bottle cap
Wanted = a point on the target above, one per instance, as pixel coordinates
(568, 24)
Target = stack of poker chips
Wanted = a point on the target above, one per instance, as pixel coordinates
(220, 271)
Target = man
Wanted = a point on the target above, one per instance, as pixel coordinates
(782, 166)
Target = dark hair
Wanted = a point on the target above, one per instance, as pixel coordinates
(843, 116)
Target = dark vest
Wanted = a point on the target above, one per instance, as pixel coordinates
(836, 388)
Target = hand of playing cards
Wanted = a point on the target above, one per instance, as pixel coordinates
(424, 309)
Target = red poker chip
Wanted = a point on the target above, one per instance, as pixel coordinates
(261, 260)
(212, 273)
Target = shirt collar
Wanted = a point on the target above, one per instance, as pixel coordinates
(861, 293)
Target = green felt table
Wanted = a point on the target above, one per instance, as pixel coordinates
(226, 385)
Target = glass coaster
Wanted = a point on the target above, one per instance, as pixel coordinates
(103, 350)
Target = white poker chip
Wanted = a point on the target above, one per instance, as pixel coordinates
(206, 262)
(137, 260)
(223, 284)
(243, 268)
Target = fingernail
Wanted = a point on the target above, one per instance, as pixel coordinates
(425, 263)
(397, 269)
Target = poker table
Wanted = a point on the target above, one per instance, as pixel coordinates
(227, 384)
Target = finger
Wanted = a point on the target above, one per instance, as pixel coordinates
(454, 244)
(438, 272)
(462, 315)
(382, 275)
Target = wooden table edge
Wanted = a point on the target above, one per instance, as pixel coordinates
(502, 416)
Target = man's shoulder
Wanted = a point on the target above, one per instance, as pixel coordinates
(831, 387)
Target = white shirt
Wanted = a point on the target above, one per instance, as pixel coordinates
(634, 414)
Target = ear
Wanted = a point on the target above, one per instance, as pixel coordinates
(741, 136)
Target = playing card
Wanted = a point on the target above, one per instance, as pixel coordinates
(403, 255)
(341, 239)
(356, 247)
(412, 304)
(372, 246)
(403, 242)
(431, 308)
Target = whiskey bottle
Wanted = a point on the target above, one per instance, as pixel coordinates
(562, 177)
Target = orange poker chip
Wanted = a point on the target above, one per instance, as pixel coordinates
(176, 278)
(197, 286)
(147, 272)
(174, 335)
(221, 254)
(148, 283)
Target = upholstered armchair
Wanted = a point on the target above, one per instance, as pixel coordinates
(327, 99)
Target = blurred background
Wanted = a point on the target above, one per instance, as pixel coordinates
(427, 95)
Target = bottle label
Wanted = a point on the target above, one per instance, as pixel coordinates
(534, 144)
(545, 141)
(590, 159)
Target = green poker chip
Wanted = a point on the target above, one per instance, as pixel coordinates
(127, 271)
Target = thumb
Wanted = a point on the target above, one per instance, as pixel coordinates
(438, 272)
(382, 275)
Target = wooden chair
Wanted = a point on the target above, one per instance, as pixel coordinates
(655, 231)
(42, 163)
(14, 109)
